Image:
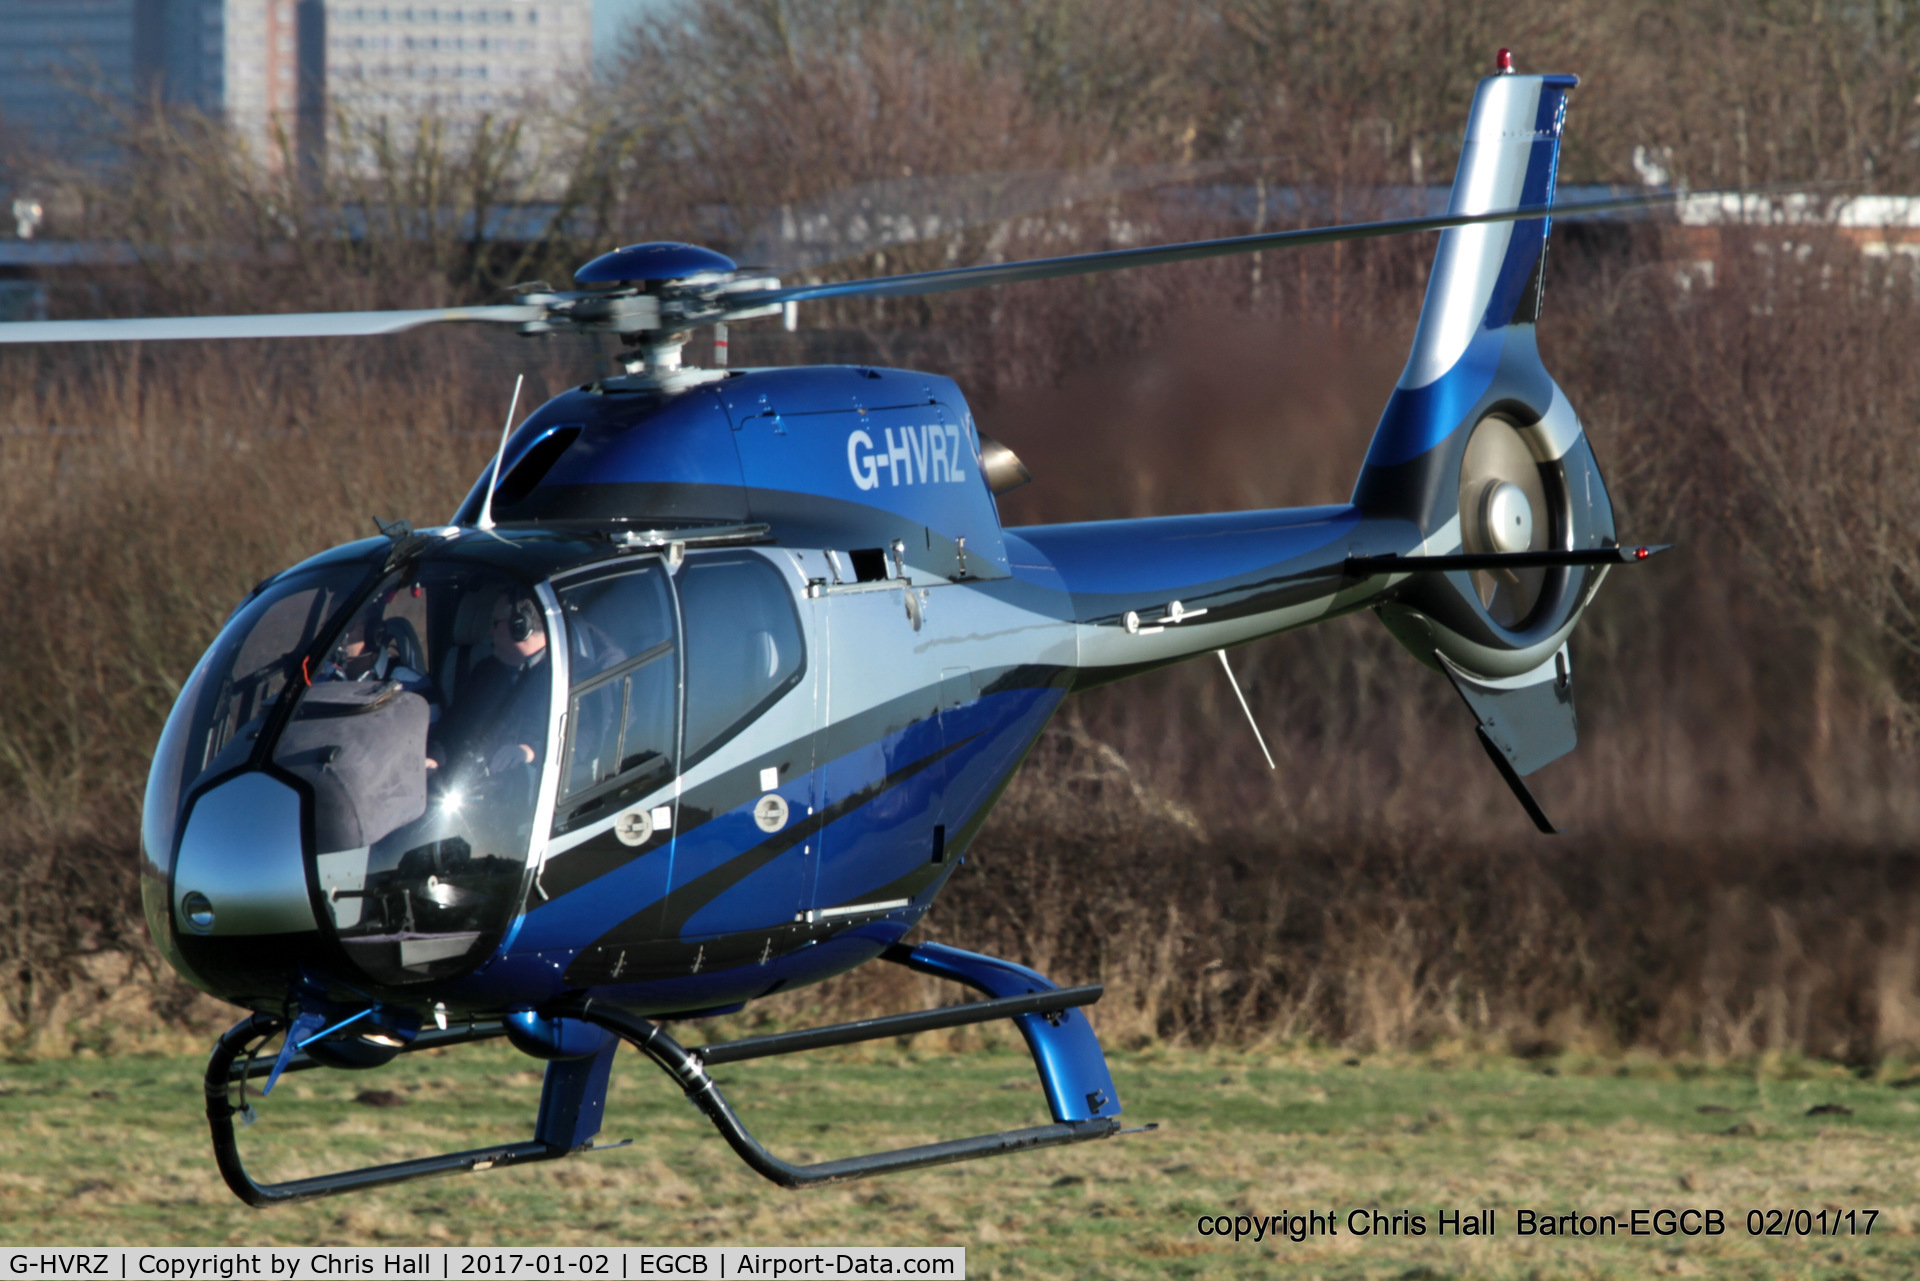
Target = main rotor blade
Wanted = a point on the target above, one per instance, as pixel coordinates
(901, 211)
(937, 282)
(318, 324)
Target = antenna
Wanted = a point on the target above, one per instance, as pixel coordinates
(486, 505)
(1258, 737)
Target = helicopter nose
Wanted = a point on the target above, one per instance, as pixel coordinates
(241, 869)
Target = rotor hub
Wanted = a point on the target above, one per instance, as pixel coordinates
(1504, 508)
(1507, 517)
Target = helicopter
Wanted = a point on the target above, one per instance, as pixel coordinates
(709, 683)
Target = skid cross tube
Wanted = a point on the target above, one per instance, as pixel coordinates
(686, 1068)
(760, 1047)
(223, 1071)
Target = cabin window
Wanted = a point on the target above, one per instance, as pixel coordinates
(625, 676)
(743, 644)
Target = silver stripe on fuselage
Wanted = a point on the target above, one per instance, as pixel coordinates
(852, 909)
(865, 654)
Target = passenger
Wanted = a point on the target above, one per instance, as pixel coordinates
(368, 650)
(500, 717)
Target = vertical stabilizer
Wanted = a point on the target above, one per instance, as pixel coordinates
(1480, 452)
(1476, 327)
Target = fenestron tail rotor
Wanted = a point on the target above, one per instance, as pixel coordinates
(1504, 508)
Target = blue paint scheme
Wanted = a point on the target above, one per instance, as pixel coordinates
(875, 844)
(866, 848)
(307, 1024)
(1072, 1069)
(811, 434)
(895, 735)
(764, 898)
(836, 955)
(628, 439)
(878, 841)
(655, 260)
(921, 462)
(567, 923)
(796, 438)
(1171, 554)
(557, 1039)
(821, 389)
(1526, 241)
(1417, 419)
(781, 446)
(996, 732)
(888, 837)
(573, 1098)
(1030, 566)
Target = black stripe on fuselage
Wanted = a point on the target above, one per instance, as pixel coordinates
(684, 901)
(604, 852)
(647, 944)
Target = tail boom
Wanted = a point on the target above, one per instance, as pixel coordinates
(1146, 593)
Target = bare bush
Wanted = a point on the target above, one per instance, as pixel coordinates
(1744, 878)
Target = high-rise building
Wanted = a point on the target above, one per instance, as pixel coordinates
(460, 59)
(61, 59)
(278, 71)
(275, 67)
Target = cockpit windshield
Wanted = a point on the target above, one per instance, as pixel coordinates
(424, 738)
(216, 725)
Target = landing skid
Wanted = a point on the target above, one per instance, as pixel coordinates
(1073, 1072)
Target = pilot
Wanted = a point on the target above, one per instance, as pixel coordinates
(500, 716)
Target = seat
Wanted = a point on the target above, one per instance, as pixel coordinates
(472, 630)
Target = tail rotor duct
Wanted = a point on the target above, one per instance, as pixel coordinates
(1505, 506)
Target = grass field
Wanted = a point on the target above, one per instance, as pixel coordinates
(103, 1152)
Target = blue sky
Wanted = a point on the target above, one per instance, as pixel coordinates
(610, 18)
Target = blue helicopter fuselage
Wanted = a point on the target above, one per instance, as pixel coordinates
(927, 684)
(723, 699)
(713, 679)
(924, 650)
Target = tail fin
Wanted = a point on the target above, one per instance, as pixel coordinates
(1475, 340)
(1478, 450)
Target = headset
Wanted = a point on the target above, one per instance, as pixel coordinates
(524, 620)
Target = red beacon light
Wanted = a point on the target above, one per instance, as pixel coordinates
(1503, 62)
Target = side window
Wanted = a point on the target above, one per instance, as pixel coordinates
(625, 675)
(743, 645)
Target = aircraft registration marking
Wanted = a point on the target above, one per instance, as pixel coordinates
(930, 454)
